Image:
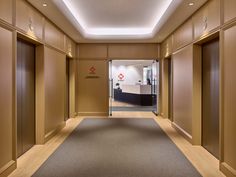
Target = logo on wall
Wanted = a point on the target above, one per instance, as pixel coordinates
(92, 73)
(121, 77)
(92, 70)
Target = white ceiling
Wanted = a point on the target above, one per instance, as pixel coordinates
(88, 21)
(120, 19)
(132, 62)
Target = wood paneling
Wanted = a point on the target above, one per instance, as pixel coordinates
(228, 99)
(229, 10)
(53, 36)
(70, 47)
(165, 88)
(182, 88)
(40, 95)
(92, 51)
(29, 20)
(6, 10)
(207, 18)
(72, 82)
(166, 47)
(6, 98)
(54, 72)
(183, 35)
(133, 51)
(93, 88)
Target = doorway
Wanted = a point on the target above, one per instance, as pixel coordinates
(25, 96)
(67, 96)
(210, 96)
(133, 86)
(170, 92)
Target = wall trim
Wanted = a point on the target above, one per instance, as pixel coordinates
(186, 135)
(93, 114)
(8, 168)
(227, 170)
(49, 135)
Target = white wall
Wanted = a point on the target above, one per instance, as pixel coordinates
(132, 74)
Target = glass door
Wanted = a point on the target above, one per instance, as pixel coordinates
(155, 86)
(111, 95)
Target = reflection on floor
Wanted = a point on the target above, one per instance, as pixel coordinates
(121, 106)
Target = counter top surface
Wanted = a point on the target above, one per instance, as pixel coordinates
(137, 89)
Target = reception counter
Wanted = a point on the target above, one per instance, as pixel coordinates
(135, 94)
(137, 89)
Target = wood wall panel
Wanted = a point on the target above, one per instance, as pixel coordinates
(207, 18)
(6, 10)
(29, 20)
(54, 72)
(92, 51)
(166, 47)
(6, 98)
(93, 91)
(183, 36)
(70, 47)
(72, 82)
(182, 88)
(133, 51)
(165, 86)
(229, 97)
(53, 36)
(229, 10)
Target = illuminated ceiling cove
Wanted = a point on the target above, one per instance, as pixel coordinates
(111, 19)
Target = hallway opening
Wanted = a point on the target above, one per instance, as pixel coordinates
(133, 86)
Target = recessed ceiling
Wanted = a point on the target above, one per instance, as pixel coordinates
(117, 18)
(132, 62)
(117, 21)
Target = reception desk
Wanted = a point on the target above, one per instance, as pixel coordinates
(137, 89)
(135, 94)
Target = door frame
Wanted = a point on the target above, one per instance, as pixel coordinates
(168, 70)
(111, 80)
(211, 40)
(23, 40)
(197, 88)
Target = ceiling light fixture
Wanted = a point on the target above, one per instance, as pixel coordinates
(191, 4)
(45, 5)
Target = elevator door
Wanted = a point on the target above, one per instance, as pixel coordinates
(169, 89)
(210, 97)
(25, 97)
(67, 102)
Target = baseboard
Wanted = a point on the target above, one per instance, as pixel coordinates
(94, 114)
(227, 170)
(8, 168)
(181, 131)
(49, 135)
(73, 115)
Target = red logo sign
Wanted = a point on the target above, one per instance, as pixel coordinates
(92, 70)
(121, 76)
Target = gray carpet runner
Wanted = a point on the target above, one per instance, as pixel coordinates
(117, 148)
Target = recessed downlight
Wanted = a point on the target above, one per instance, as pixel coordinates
(191, 4)
(45, 5)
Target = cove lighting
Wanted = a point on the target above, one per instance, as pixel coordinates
(110, 31)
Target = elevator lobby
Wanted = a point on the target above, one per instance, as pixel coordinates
(117, 88)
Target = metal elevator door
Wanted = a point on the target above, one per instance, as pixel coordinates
(25, 96)
(67, 102)
(210, 97)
